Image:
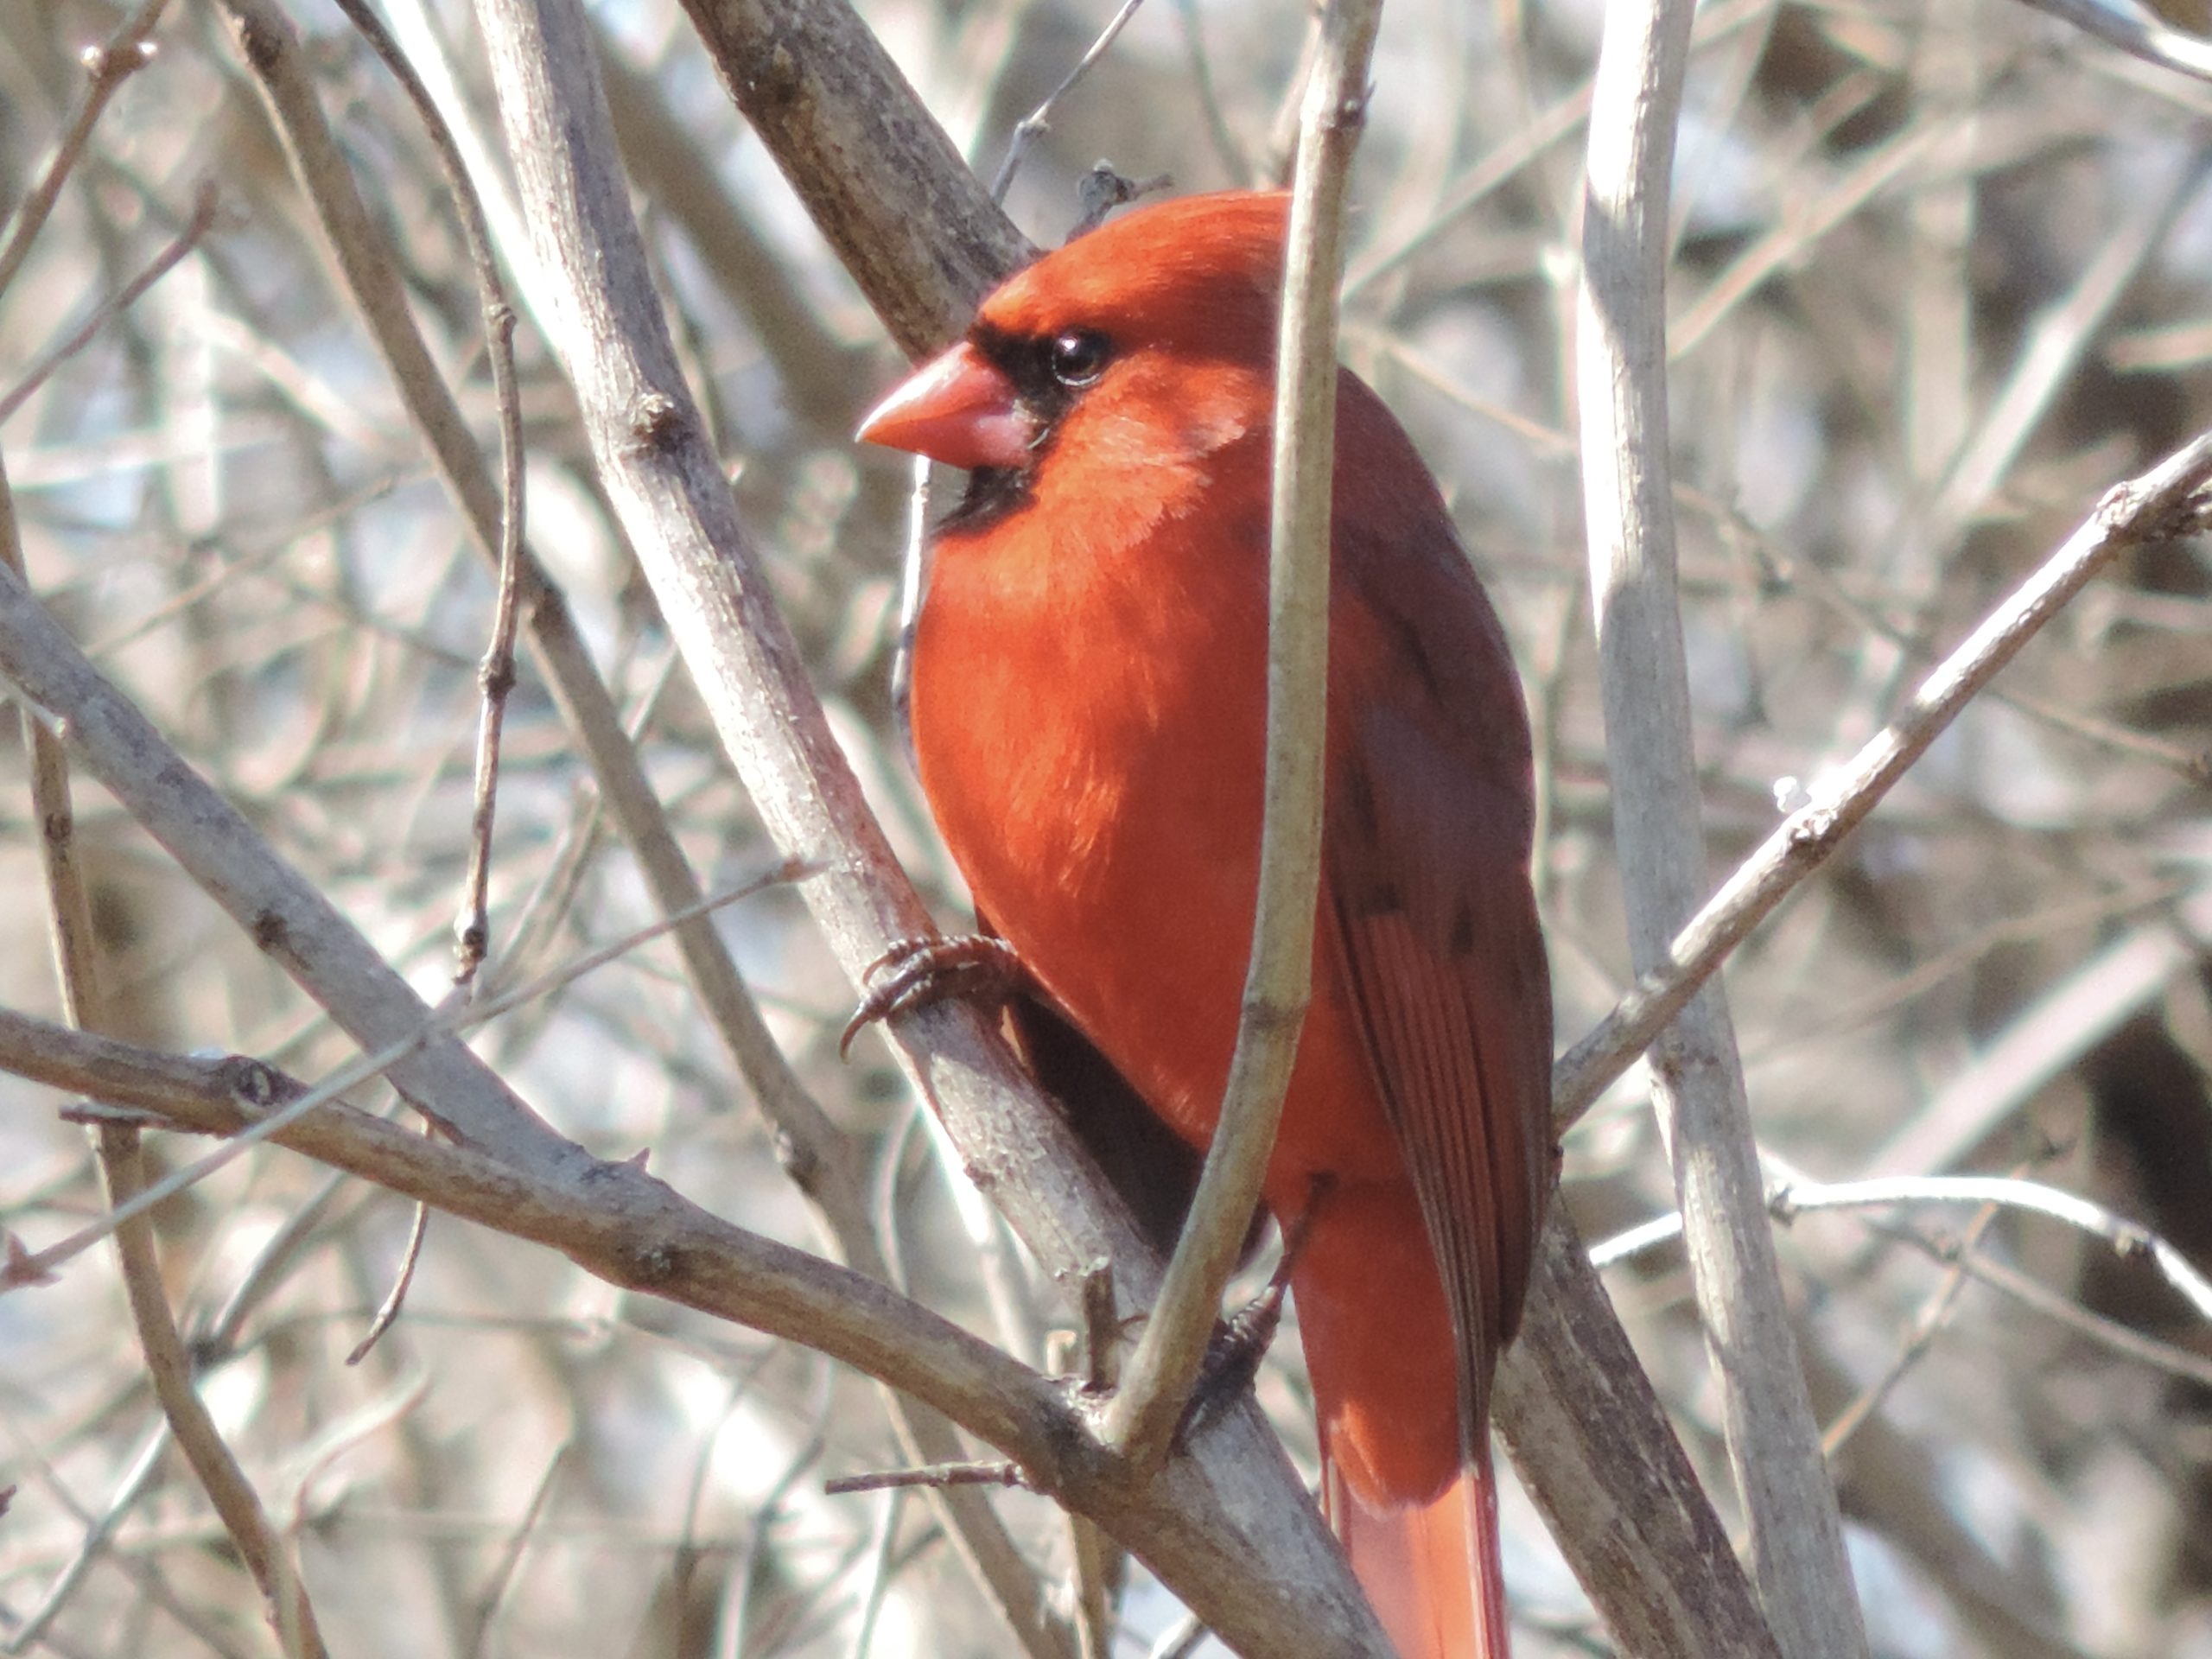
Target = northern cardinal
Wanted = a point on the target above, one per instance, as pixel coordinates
(1089, 704)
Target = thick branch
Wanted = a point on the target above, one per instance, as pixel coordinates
(1626, 1508)
(1796, 1538)
(914, 228)
(624, 1226)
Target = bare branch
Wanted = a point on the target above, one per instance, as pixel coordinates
(1625, 1504)
(2147, 509)
(1278, 983)
(1796, 1539)
(911, 224)
(122, 1165)
(627, 1228)
(276, 906)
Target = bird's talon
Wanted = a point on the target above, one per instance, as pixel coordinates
(915, 973)
(1233, 1357)
(1232, 1362)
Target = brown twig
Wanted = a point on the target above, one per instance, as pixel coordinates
(395, 1299)
(992, 1473)
(495, 674)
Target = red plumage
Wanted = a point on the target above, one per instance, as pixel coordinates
(1088, 703)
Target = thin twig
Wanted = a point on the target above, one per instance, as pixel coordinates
(448, 1022)
(495, 1593)
(203, 202)
(1092, 1352)
(1934, 1316)
(107, 65)
(1278, 984)
(2146, 508)
(737, 1639)
(2108, 1334)
(496, 675)
(388, 1311)
(995, 1471)
(2128, 1239)
(169, 1367)
(1225, 145)
(880, 1568)
(1033, 124)
(1806, 223)
(92, 1542)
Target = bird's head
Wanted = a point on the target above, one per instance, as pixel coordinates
(1148, 343)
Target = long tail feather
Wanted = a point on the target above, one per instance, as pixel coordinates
(1431, 1571)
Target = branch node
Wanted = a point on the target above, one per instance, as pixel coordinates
(656, 419)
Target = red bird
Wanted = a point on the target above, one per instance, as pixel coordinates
(1089, 710)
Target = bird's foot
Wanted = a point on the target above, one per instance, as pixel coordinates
(1233, 1357)
(915, 973)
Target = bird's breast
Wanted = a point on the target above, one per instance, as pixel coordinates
(1090, 724)
(1090, 733)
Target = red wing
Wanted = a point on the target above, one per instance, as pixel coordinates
(1431, 919)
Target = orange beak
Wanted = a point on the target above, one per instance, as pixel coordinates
(958, 409)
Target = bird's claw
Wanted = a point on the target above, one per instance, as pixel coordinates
(1233, 1357)
(915, 973)
(1232, 1360)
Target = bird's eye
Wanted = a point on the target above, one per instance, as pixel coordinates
(1077, 358)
